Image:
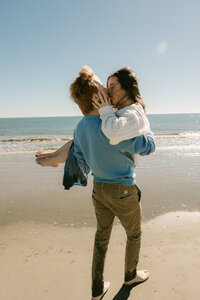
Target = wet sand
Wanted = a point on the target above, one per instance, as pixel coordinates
(29, 192)
(46, 233)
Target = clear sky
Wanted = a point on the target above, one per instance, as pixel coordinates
(44, 43)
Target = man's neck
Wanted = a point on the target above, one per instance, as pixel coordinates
(93, 112)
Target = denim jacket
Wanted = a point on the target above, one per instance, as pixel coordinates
(73, 175)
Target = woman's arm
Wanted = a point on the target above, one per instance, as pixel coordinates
(131, 123)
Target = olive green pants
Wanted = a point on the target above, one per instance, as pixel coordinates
(122, 201)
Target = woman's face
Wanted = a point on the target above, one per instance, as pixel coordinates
(115, 90)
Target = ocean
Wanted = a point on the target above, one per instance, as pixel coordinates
(174, 133)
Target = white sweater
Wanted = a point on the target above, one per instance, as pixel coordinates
(126, 123)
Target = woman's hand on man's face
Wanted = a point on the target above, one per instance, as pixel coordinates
(101, 100)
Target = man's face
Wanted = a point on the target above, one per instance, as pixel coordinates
(115, 90)
(100, 86)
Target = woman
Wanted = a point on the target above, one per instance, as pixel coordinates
(130, 119)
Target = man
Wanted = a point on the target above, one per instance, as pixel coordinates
(115, 192)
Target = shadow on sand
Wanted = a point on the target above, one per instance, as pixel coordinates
(125, 290)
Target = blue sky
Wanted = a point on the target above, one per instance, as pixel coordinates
(44, 43)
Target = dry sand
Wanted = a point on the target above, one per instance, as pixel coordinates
(41, 261)
(46, 233)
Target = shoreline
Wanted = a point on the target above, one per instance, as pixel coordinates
(33, 193)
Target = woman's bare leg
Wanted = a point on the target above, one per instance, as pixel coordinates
(53, 159)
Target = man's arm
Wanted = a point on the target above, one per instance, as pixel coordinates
(143, 145)
(79, 156)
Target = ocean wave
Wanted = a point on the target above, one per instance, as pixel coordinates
(18, 152)
(35, 139)
(176, 142)
(16, 145)
(179, 147)
(62, 138)
(179, 135)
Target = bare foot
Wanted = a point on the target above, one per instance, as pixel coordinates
(141, 276)
(40, 154)
(46, 162)
(106, 287)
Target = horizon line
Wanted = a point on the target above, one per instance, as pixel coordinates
(57, 116)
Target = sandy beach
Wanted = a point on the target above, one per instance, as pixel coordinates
(40, 261)
(46, 233)
(29, 192)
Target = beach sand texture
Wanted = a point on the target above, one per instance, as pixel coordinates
(46, 233)
(40, 261)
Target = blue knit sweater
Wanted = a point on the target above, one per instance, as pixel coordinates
(109, 163)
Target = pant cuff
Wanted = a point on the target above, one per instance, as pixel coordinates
(130, 275)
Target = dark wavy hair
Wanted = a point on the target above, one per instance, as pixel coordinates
(129, 82)
(83, 88)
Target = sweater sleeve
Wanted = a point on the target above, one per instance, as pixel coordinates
(143, 145)
(78, 154)
(132, 123)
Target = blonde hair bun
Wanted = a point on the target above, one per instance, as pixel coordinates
(86, 72)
